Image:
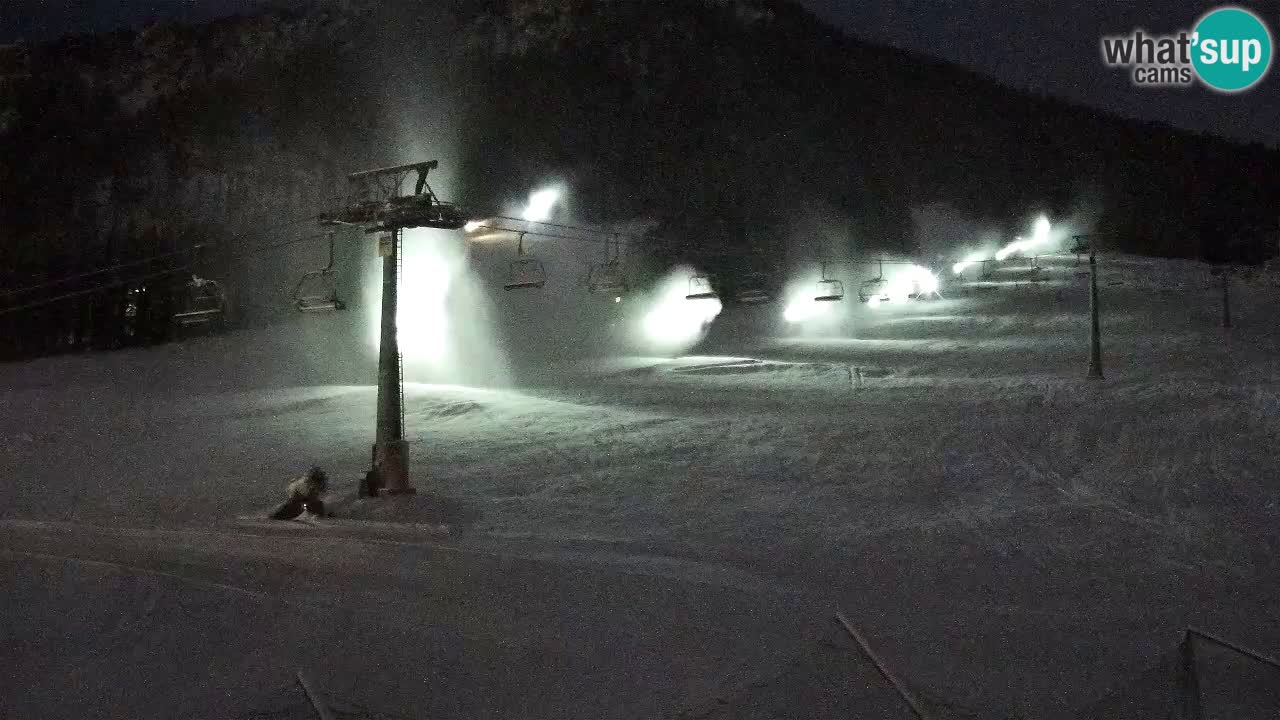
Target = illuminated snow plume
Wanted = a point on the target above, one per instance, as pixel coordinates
(674, 322)
(442, 318)
(905, 284)
(801, 306)
(1038, 242)
(971, 259)
(540, 204)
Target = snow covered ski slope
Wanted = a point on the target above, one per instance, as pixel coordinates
(1015, 539)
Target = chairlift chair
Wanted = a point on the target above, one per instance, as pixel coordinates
(873, 289)
(317, 291)
(526, 271)
(607, 279)
(700, 288)
(203, 302)
(829, 289)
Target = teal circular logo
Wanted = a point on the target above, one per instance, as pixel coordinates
(1231, 49)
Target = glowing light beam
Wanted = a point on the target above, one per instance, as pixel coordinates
(540, 204)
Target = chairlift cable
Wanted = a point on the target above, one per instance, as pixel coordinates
(170, 271)
(580, 228)
(143, 261)
(98, 288)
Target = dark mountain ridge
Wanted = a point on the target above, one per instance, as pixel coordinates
(736, 127)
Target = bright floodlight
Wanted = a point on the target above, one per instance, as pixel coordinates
(926, 281)
(472, 226)
(540, 204)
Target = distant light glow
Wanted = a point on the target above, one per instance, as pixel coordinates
(472, 226)
(540, 204)
(618, 299)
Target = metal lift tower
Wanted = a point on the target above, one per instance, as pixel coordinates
(379, 207)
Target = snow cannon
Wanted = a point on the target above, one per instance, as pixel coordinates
(305, 494)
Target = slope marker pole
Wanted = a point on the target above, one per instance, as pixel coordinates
(322, 710)
(884, 671)
(1095, 330)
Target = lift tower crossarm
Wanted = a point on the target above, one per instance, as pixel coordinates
(402, 170)
(379, 206)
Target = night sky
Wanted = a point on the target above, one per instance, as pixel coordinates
(1044, 45)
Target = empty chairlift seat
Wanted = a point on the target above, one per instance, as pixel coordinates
(526, 272)
(317, 291)
(607, 279)
(872, 290)
(700, 288)
(828, 289)
(203, 302)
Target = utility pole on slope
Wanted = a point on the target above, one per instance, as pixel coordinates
(1095, 330)
(1226, 298)
(379, 208)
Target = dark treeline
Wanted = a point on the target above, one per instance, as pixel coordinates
(730, 120)
(733, 126)
(115, 296)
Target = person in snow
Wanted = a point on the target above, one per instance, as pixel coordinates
(305, 494)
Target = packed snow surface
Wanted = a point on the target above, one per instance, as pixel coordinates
(1017, 539)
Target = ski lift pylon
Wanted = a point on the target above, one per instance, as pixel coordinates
(317, 290)
(526, 271)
